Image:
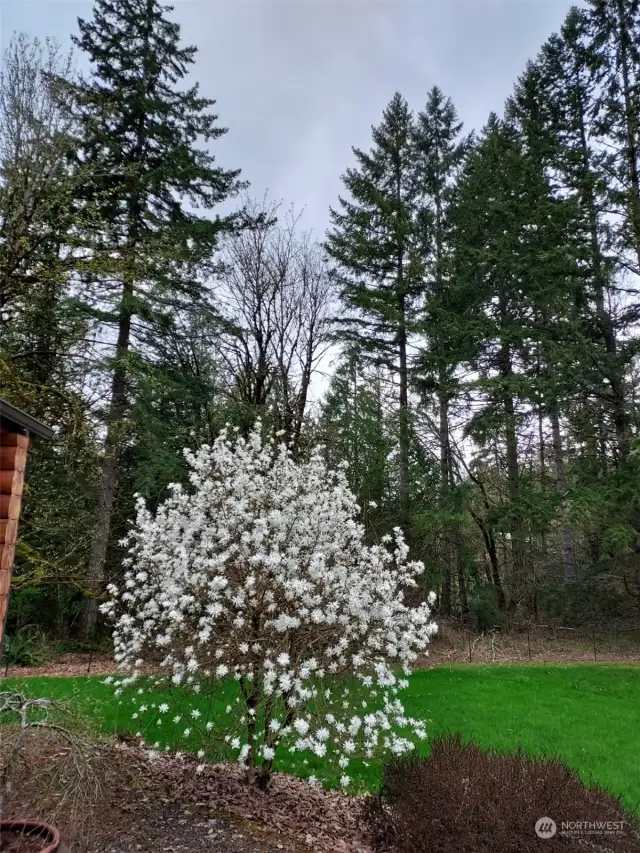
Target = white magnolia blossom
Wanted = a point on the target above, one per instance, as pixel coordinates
(259, 574)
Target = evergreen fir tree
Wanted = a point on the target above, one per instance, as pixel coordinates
(145, 137)
(440, 153)
(374, 244)
(614, 29)
(355, 429)
(510, 260)
(582, 168)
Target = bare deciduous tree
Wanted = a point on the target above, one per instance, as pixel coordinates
(35, 189)
(275, 298)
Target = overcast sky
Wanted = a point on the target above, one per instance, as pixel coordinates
(298, 82)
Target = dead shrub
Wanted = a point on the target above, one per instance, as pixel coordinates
(52, 768)
(468, 800)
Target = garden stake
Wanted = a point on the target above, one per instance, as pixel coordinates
(529, 644)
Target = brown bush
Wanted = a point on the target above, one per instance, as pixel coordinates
(462, 799)
(53, 769)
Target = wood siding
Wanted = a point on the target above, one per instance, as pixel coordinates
(13, 462)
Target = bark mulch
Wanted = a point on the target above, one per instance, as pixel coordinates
(315, 819)
(164, 806)
(155, 823)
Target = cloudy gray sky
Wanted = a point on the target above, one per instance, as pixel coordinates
(298, 82)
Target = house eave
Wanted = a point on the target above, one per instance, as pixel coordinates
(13, 419)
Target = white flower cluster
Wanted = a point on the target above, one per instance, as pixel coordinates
(260, 574)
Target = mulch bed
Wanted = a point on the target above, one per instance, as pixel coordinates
(323, 821)
(154, 823)
(164, 806)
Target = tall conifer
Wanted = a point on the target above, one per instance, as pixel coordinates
(146, 134)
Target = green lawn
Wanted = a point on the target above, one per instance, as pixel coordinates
(589, 716)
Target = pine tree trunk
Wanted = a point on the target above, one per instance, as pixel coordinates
(462, 580)
(513, 478)
(404, 375)
(445, 597)
(110, 472)
(457, 539)
(46, 355)
(451, 549)
(495, 569)
(568, 561)
(111, 462)
(404, 416)
(601, 443)
(543, 477)
(445, 464)
(384, 472)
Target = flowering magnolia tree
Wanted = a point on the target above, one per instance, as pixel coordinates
(275, 624)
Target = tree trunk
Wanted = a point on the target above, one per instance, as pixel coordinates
(46, 354)
(251, 703)
(451, 548)
(402, 354)
(493, 572)
(519, 583)
(111, 461)
(543, 485)
(301, 402)
(462, 582)
(404, 416)
(495, 569)
(568, 561)
(445, 466)
(118, 404)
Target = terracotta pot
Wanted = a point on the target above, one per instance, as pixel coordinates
(49, 834)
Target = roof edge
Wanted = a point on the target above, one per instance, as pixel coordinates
(15, 416)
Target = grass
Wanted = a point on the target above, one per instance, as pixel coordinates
(587, 715)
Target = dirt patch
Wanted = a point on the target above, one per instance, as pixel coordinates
(539, 645)
(79, 663)
(452, 644)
